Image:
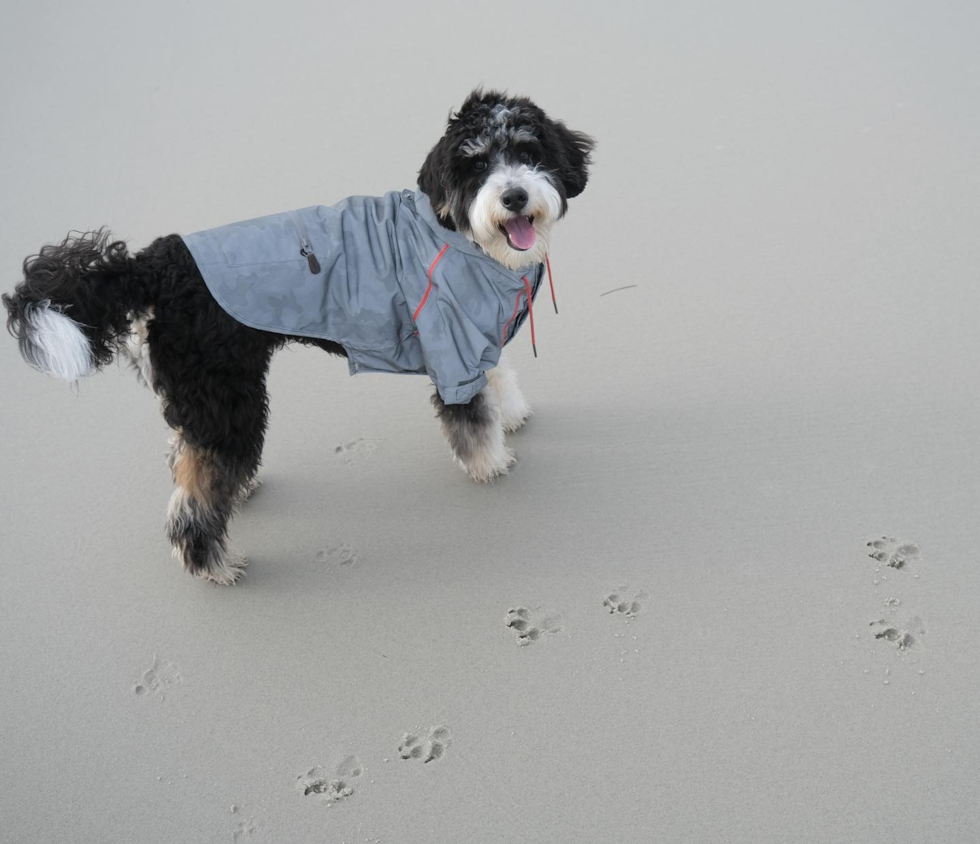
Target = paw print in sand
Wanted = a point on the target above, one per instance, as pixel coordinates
(893, 552)
(353, 451)
(331, 785)
(902, 636)
(428, 749)
(244, 829)
(620, 602)
(341, 556)
(157, 679)
(529, 626)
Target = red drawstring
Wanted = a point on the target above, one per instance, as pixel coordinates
(551, 284)
(530, 303)
(530, 315)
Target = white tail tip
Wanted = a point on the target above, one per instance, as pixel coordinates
(56, 344)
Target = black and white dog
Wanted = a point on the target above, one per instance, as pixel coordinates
(501, 176)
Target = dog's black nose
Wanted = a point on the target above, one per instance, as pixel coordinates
(514, 199)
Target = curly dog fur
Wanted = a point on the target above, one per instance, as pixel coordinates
(83, 301)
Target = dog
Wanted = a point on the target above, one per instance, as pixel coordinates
(434, 281)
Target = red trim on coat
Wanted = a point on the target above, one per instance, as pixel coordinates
(428, 289)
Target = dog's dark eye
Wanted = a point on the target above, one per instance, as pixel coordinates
(524, 157)
(479, 166)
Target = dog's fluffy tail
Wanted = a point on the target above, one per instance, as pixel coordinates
(76, 299)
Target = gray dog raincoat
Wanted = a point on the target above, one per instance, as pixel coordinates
(381, 277)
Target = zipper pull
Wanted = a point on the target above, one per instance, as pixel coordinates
(307, 252)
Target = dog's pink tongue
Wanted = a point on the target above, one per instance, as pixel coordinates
(521, 232)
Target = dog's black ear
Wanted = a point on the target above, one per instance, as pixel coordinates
(576, 148)
(435, 173)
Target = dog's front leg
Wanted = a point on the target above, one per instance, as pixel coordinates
(475, 432)
(514, 409)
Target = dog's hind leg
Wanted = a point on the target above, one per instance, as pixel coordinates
(210, 373)
(475, 433)
(207, 489)
(214, 458)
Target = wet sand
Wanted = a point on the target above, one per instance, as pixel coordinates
(667, 624)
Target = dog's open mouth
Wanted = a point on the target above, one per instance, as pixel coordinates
(520, 233)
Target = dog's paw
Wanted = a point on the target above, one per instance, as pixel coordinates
(488, 468)
(514, 414)
(248, 488)
(224, 566)
(227, 570)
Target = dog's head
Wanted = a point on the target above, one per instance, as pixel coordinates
(503, 174)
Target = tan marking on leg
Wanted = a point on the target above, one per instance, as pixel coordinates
(198, 514)
(194, 471)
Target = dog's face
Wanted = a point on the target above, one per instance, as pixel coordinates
(503, 174)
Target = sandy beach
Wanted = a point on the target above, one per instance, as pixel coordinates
(728, 595)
